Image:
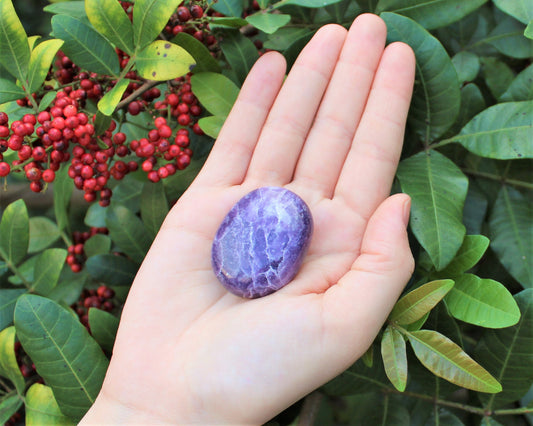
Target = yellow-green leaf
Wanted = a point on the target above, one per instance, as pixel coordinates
(394, 357)
(163, 60)
(447, 360)
(42, 408)
(111, 99)
(14, 232)
(149, 18)
(110, 19)
(417, 303)
(14, 47)
(8, 361)
(40, 61)
(470, 252)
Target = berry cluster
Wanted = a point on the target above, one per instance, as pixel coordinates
(100, 298)
(76, 253)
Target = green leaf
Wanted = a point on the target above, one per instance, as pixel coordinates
(69, 288)
(359, 379)
(149, 19)
(482, 302)
(104, 328)
(447, 360)
(8, 298)
(520, 9)
(128, 193)
(216, 92)
(211, 126)
(469, 254)
(508, 38)
(48, 266)
(84, 46)
(14, 232)
(128, 232)
(47, 99)
(501, 132)
(223, 22)
(63, 186)
(521, 88)
(9, 91)
(42, 408)
(227, 7)
(109, 19)
(76, 9)
(111, 269)
(284, 37)
(511, 234)
(472, 103)
(8, 406)
(368, 357)
(417, 303)
(528, 32)
(110, 100)
(438, 189)
(95, 216)
(8, 361)
(97, 244)
(240, 53)
(154, 206)
(43, 232)
(163, 60)
(305, 3)
(66, 356)
(430, 14)
(268, 22)
(200, 53)
(41, 59)
(507, 354)
(467, 66)
(394, 357)
(436, 99)
(14, 47)
(497, 74)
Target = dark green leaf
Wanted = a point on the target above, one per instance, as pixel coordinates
(43, 232)
(284, 37)
(63, 186)
(475, 209)
(14, 232)
(521, 88)
(432, 14)
(447, 360)
(227, 7)
(67, 357)
(154, 206)
(97, 244)
(472, 103)
(42, 408)
(520, 9)
(111, 269)
(149, 19)
(467, 66)
(84, 46)
(201, 54)
(225, 22)
(95, 216)
(215, 92)
(69, 288)
(268, 22)
(469, 254)
(14, 47)
(306, 3)
(507, 354)
(41, 59)
(128, 193)
(212, 125)
(163, 60)
(48, 266)
(8, 361)
(76, 9)
(240, 53)
(417, 303)
(511, 234)
(47, 99)
(9, 405)
(497, 74)
(8, 298)
(438, 189)
(104, 328)
(110, 19)
(9, 91)
(436, 99)
(482, 302)
(359, 379)
(108, 103)
(508, 38)
(394, 357)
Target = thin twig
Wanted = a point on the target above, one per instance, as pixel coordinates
(310, 409)
(146, 86)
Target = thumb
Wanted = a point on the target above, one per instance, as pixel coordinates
(364, 297)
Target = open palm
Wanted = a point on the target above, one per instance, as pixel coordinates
(187, 351)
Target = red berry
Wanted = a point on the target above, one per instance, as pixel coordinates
(160, 121)
(196, 11)
(165, 131)
(184, 119)
(3, 118)
(4, 131)
(49, 175)
(4, 169)
(183, 14)
(36, 186)
(134, 108)
(70, 111)
(87, 172)
(38, 153)
(153, 176)
(119, 138)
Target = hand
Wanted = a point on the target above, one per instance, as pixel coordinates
(187, 351)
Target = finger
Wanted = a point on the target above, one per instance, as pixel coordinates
(291, 116)
(369, 169)
(366, 294)
(231, 153)
(340, 111)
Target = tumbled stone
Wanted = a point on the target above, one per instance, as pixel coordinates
(262, 241)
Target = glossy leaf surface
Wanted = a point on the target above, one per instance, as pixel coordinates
(149, 18)
(268, 22)
(111, 269)
(215, 92)
(42, 409)
(8, 361)
(154, 206)
(48, 266)
(43, 233)
(9, 91)
(111, 99)
(41, 59)
(104, 328)
(394, 357)
(469, 254)
(201, 54)
(163, 60)
(14, 47)
(14, 232)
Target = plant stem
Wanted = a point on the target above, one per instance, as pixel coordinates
(6, 387)
(310, 409)
(146, 86)
(499, 178)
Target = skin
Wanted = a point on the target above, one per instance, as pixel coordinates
(187, 351)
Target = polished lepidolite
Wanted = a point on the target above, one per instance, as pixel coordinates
(262, 241)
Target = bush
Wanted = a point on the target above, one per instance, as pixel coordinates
(114, 119)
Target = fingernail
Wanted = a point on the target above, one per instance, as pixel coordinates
(406, 211)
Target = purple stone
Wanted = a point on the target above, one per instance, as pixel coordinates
(262, 241)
